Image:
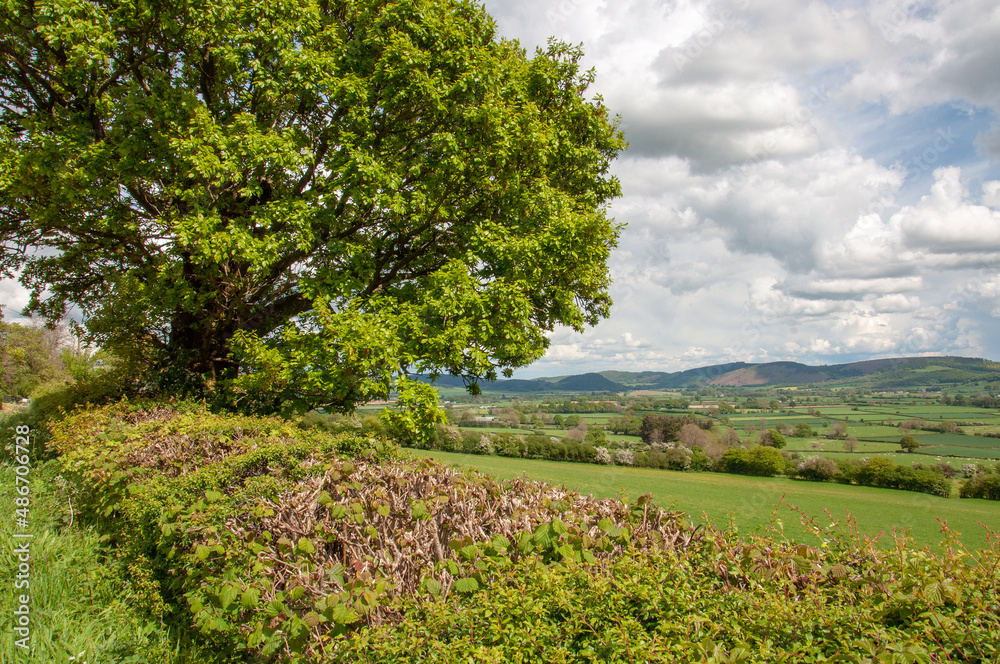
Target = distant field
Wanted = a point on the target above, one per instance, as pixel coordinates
(952, 444)
(749, 501)
(932, 412)
(824, 444)
(872, 430)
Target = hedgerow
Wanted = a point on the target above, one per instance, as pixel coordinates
(280, 544)
(755, 600)
(270, 539)
(759, 460)
(982, 485)
(883, 473)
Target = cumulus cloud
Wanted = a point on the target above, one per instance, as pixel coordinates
(945, 222)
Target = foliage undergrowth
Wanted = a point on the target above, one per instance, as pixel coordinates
(279, 544)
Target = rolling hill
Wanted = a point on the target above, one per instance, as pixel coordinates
(885, 373)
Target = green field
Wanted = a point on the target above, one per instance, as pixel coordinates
(750, 501)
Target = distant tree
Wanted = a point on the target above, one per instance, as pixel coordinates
(730, 438)
(948, 427)
(838, 430)
(662, 428)
(627, 425)
(29, 357)
(595, 436)
(909, 443)
(803, 430)
(850, 444)
(692, 435)
(777, 439)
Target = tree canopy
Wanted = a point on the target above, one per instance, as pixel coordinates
(294, 202)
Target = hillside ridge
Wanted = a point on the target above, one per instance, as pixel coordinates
(880, 373)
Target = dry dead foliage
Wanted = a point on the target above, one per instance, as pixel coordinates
(396, 522)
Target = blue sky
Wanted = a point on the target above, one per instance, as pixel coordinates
(807, 180)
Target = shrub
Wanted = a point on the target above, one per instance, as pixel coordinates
(759, 460)
(981, 486)
(624, 458)
(803, 430)
(206, 503)
(449, 439)
(765, 461)
(700, 460)
(536, 446)
(602, 456)
(470, 441)
(881, 472)
(735, 460)
(508, 445)
(817, 469)
(971, 469)
(678, 458)
(484, 446)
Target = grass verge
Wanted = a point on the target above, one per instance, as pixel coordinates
(81, 609)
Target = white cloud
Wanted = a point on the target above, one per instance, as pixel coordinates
(896, 303)
(991, 194)
(944, 222)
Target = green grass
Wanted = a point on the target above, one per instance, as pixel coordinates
(897, 456)
(750, 501)
(80, 607)
(521, 431)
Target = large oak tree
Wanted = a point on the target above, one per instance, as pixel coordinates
(295, 201)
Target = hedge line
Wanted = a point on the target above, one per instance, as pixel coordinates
(231, 526)
(758, 460)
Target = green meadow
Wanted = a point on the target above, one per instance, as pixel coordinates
(751, 503)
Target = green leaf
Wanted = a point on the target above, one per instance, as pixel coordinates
(543, 535)
(341, 615)
(250, 598)
(419, 510)
(468, 585)
(433, 586)
(227, 595)
(608, 526)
